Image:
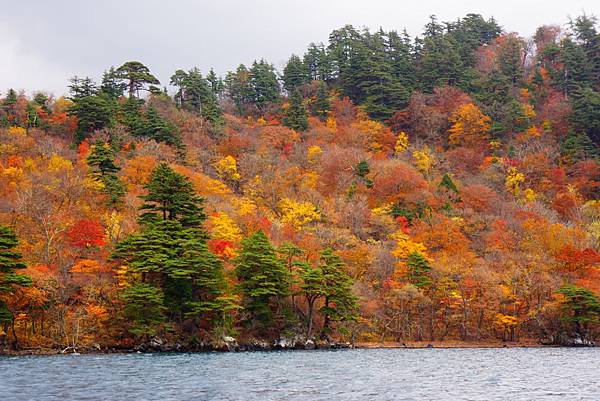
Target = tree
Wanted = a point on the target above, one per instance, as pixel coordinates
(172, 197)
(321, 106)
(144, 309)
(586, 113)
(111, 86)
(82, 88)
(93, 113)
(136, 76)
(295, 115)
(10, 262)
(263, 279)
(418, 270)
(469, 126)
(313, 287)
(581, 307)
(265, 87)
(340, 303)
(196, 94)
(295, 74)
(102, 161)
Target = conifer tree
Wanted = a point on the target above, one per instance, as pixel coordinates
(296, 116)
(418, 270)
(321, 107)
(340, 303)
(102, 161)
(295, 74)
(263, 279)
(10, 262)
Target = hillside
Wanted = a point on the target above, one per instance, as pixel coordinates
(379, 187)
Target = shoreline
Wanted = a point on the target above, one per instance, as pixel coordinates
(358, 345)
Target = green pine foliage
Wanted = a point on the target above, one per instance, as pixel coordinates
(296, 116)
(10, 263)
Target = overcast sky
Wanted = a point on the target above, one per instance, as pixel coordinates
(44, 42)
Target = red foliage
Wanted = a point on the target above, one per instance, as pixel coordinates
(86, 233)
(576, 259)
(220, 247)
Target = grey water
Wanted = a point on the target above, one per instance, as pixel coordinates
(361, 374)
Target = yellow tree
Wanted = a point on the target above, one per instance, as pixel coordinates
(469, 126)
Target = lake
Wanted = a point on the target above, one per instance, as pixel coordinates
(360, 374)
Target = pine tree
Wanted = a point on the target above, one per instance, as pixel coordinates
(264, 83)
(263, 279)
(136, 76)
(418, 270)
(321, 106)
(93, 113)
(340, 303)
(111, 86)
(296, 115)
(581, 307)
(102, 161)
(172, 197)
(313, 288)
(144, 309)
(10, 262)
(295, 74)
(196, 94)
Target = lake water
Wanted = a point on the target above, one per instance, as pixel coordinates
(367, 374)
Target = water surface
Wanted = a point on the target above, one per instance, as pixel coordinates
(368, 374)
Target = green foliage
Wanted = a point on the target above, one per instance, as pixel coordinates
(580, 306)
(136, 76)
(197, 94)
(263, 278)
(321, 106)
(295, 74)
(296, 116)
(340, 302)
(144, 309)
(10, 262)
(578, 146)
(586, 113)
(172, 197)
(418, 271)
(102, 161)
(93, 113)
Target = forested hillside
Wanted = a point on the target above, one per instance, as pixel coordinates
(379, 187)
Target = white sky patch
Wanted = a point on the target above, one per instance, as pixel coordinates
(23, 70)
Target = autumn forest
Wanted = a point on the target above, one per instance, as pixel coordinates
(378, 187)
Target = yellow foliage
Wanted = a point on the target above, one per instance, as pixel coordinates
(506, 320)
(227, 168)
(382, 210)
(528, 111)
(244, 205)
(401, 143)
(17, 131)
(313, 154)
(310, 179)
(13, 174)
(529, 195)
(331, 123)
(406, 246)
(61, 105)
(424, 159)
(469, 125)
(298, 214)
(513, 181)
(223, 227)
(112, 222)
(57, 163)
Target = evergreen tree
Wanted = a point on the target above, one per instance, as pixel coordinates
(313, 287)
(418, 271)
(136, 76)
(340, 303)
(10, 262)
(239, 88)
(196, 94)
(295, 74)
(296, 115)
(93, 113)
(586, 113)
(265, 87)
(263, 279)
(581, 307)
(578, 146)
(82, 88)
(144, 309)
(102, 161)
(172, 197)
(321, 106)
(111, 86)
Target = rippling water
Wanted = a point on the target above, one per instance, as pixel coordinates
(377, 374)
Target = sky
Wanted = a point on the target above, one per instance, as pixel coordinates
(44, 43)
